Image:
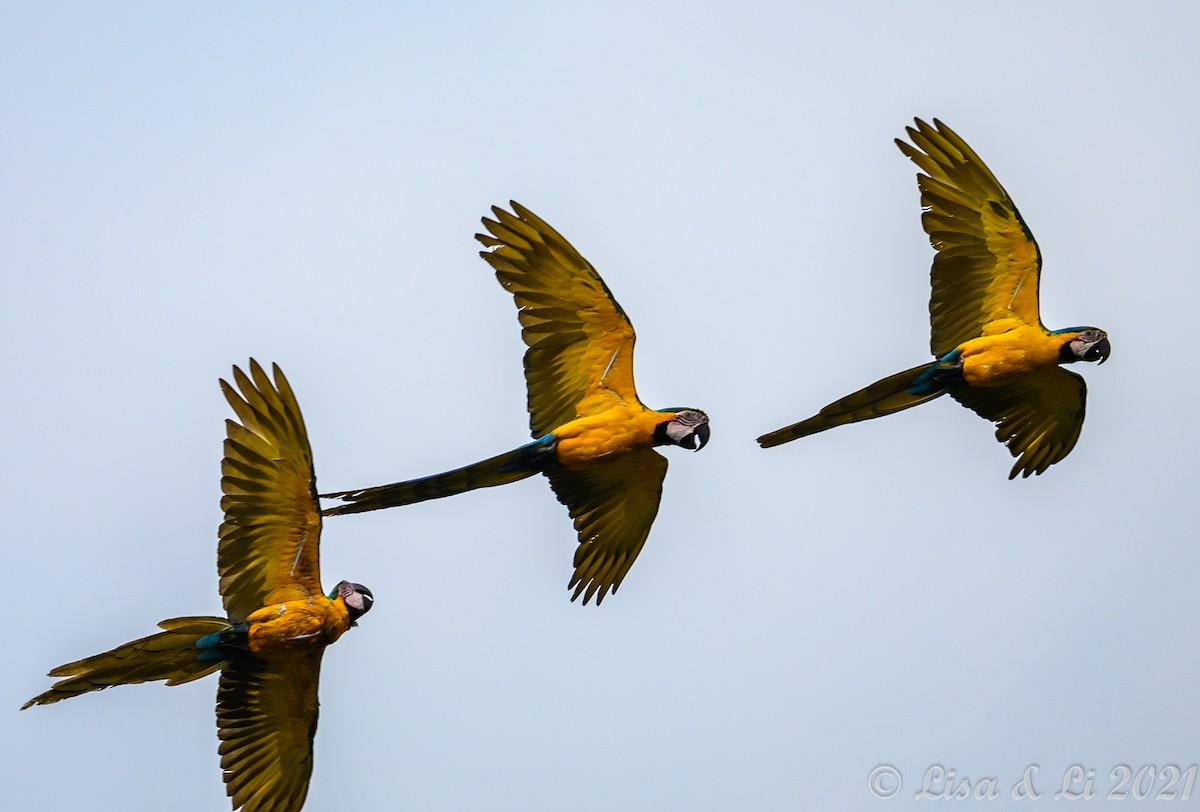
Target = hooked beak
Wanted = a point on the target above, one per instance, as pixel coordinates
(1090, 344)
(357, 597)
(685, 429)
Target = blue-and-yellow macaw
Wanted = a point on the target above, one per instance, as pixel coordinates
(595, 438)
(992, 353)
(279, 622)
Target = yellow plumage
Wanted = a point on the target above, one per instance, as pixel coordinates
(1007, 351)
(579, 360)
(992, 352)
(595, 437)
(269, 649)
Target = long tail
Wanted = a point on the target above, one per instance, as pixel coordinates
(508, 467)
(176, 655)
(894, 393)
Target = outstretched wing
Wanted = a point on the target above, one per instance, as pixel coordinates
(267, 549)
(580, 356)
(613, 505)
(1039, 417)
(266, 720)
(987, 264)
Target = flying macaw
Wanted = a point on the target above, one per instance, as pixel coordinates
(594, 438)
(992, 353)
(279, 622)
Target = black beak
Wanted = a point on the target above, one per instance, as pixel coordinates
(1102, 350)
(702, 434)
(368, 601)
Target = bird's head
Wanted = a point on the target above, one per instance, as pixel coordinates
(1089, 344)
(357, 597)
(688, 428)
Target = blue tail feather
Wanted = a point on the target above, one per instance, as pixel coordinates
(209, 640)
(219, 645)
(938, 375)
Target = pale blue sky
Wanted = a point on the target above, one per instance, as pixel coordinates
(189, 185)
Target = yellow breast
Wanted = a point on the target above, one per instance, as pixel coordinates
(1009, 349)
(622, 429)
(317, 621)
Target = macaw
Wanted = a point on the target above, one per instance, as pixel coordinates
(991, 352)
(594, 438)
(268, 648)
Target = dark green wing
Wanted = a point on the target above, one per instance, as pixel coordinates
(613, 506)
(266, 720)
(1039, 417)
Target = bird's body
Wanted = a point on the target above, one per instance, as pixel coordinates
(594, 438)
(1009, 349)
(991, 351)
(621, 429)
(284, 627)
(269, 646)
